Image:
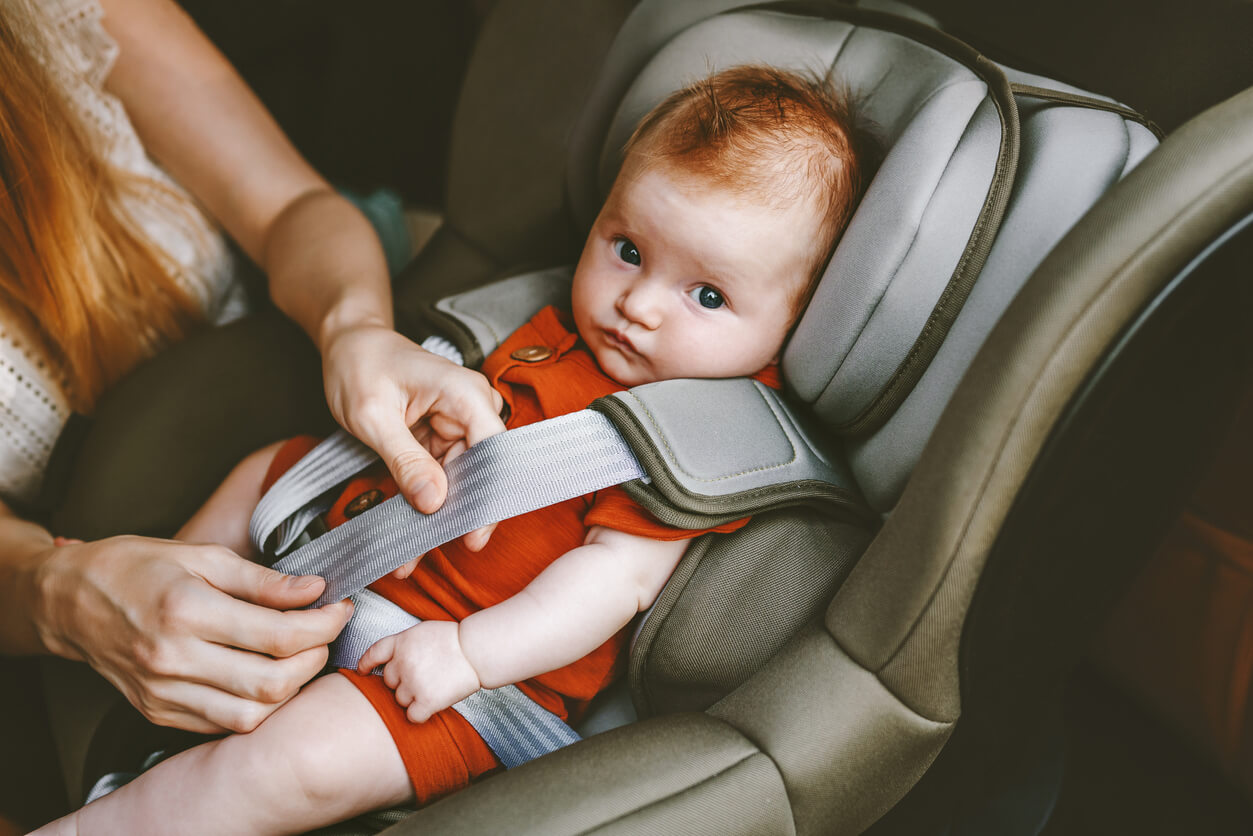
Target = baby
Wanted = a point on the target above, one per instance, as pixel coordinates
(731, 196)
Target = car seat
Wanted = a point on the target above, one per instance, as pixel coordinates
(1005, 429)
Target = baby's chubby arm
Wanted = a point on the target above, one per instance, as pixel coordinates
(566, 612)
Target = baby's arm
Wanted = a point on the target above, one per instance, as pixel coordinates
(566, 612)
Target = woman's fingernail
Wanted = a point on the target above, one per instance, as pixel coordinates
(306, 581)
(427, 494)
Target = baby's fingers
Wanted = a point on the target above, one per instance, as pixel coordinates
(379, 653)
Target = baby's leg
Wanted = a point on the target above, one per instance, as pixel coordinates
(323, 757)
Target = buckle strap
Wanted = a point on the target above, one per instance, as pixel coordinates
(514, 727)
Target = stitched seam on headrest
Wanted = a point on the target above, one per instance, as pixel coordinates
(674, 460)
(917, 229)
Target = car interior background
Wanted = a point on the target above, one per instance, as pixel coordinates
(1177, 373)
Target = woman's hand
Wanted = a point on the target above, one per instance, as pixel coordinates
(194, 636)
(413, 408)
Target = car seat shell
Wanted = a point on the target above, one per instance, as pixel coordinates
(838, 725)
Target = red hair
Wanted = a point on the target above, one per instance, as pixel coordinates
(776, 135)
(73, 265)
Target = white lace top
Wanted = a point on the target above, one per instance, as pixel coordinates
(33, 403)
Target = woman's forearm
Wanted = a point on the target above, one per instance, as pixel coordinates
(26, 582)
(326, 267)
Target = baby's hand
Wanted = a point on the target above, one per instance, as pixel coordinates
(425, 666)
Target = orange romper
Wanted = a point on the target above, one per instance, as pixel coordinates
(450, 582)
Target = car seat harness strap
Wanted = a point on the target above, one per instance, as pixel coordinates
(514, 727)
(513, 473)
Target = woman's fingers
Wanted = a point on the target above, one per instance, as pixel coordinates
(255, 628)
(203, 708)
(250, 676)
(477, 539)
(248, 581)
(246, 606)
(402, 572)
(417, 474)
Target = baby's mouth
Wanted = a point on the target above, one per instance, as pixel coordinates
(620, 341)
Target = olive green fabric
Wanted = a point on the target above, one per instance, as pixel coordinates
(510, 133)
(224, 393)
(900, 612)
(658, 776)
(846, 747)
(733, 602)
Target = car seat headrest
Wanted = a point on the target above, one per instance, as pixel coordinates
(911, 252)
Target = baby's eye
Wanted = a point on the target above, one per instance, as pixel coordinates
(627, 251)
(708, 297)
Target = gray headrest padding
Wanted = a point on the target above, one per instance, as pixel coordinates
(703, 462)
(492, 312)
(1070, 156)
(943, 134)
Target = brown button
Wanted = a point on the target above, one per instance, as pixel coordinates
(532, 353)
(363, 503)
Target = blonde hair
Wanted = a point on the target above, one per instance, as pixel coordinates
(73, 264)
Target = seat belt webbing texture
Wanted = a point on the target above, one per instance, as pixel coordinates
(513, 473)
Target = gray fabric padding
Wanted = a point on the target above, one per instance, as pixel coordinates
(909, 289)
(490, 314)
(733, 601)
(901, 610)
(709, 456)
(1017, 76)
(645, 30)
(1141, 143)
(846, 747)
(1069, 158)
(680, 759)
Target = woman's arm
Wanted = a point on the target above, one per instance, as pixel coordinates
(193, 635)
(198, 118)
(566, 612)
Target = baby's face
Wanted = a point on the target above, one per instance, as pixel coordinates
(683, 278)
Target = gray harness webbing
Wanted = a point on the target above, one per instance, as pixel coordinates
(512, 725)
(513, 473)
(509, 474)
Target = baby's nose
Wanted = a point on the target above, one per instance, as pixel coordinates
(643, 304)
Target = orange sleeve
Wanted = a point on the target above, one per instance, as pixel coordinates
(613, 508)
(770, 376)
(292, 451)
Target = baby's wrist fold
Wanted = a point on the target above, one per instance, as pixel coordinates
(470, 666)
